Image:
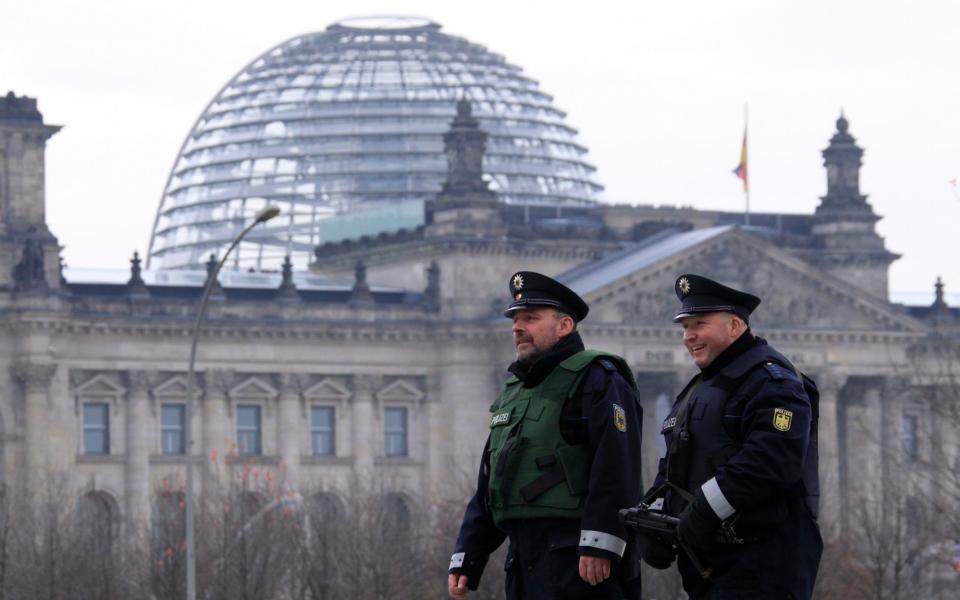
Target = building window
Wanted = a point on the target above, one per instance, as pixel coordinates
(911, 444)
(172, 420)
(322, 423)
(248, 430)
(96, 428)
(95, 524)
(395, 431)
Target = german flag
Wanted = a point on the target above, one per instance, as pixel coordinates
(741, 170)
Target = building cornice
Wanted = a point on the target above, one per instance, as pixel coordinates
(402, 330)
(445, 246)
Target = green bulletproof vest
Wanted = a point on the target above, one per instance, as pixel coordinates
(534, 472)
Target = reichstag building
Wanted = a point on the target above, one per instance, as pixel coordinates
(359, 334)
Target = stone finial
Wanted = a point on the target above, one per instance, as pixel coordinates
(361, 293)
(216, 290)
(29, 273)
(431, 294)
(135, 285)
(287, 292)
(465, 144)
(842, 123)
(940, 311)
(843, 159)
(19, 108)
(61, 266)
(939, 304)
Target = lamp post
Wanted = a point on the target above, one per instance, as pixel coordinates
(261, 217)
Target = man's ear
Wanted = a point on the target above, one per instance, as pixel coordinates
(567, 324)
(737, 326)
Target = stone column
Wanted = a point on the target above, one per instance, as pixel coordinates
(460, 422)
(217, 441)
(33, 411)
(893, 480)
(137, 466)
(829, 385)
(655, 388)
(861, 464)
(290, 432)
(437, 438)
(367, 427)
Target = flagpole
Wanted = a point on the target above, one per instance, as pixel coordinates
(746, 160)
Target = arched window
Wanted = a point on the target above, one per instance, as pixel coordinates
(95, 517)
(325, 513)
(396, 517)
(327, 530)
(248, 504)
(168, 529)
(168, 521)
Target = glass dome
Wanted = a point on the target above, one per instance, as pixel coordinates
(342, 130)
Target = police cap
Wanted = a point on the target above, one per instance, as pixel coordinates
(699, 295)
(531, 290)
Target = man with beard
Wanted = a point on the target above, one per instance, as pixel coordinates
(562, 457)
(741, 462)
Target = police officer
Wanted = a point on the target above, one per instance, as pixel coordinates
(562, 457)
(741, 462)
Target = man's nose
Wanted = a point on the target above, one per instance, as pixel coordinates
(688, 335)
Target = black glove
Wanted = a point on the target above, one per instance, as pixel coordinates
(656, 552)
(698, 523)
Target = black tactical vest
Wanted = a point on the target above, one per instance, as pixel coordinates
(702, 436)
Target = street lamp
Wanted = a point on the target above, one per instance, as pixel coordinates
(261, 217)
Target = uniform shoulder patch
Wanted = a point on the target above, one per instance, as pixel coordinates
(778, 372)
(607, 364)
(782, 419)
(619, 418)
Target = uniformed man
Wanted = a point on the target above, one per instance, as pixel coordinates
(562, 457)
(741, 462)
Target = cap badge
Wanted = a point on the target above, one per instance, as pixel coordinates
(518, 296)
(518, 281)
(684, 285)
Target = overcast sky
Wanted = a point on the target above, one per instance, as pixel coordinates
(656, 89)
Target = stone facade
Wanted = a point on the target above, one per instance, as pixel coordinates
(420, 328)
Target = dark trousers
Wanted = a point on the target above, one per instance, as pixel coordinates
(779, 564)
(543, 564)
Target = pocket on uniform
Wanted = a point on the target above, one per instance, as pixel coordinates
(575, 463)
(698, 410)
(562, 565)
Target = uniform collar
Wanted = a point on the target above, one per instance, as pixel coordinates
(738, 347)
(532, 375)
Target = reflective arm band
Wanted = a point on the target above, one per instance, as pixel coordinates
(602, 541)
(717, 501)
(456, 560)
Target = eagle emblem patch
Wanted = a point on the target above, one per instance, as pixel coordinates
(782, 418)
(619, 418)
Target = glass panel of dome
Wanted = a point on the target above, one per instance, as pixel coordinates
(421, 69)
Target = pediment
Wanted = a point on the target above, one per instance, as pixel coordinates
(400, 390)
(176, 386)
(99, 385)
(327, 389)
(254, 387)
(796, 295)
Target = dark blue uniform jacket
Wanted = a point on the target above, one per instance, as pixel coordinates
(745, 445)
